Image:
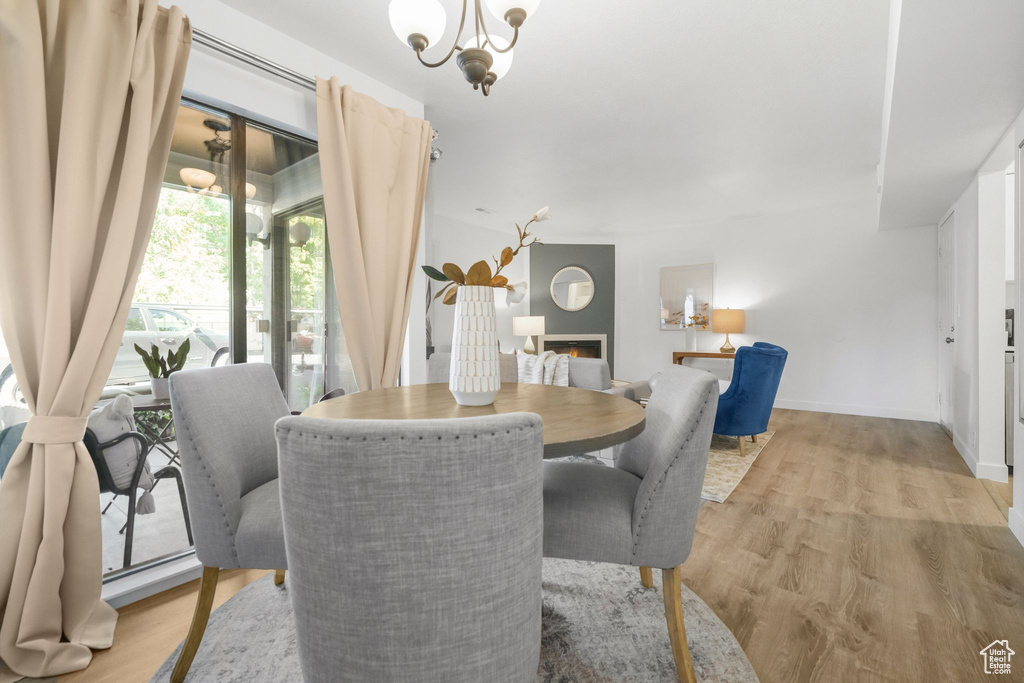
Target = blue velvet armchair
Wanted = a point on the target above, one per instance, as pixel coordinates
(744, 408)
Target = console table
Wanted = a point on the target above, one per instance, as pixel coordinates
(678, 356)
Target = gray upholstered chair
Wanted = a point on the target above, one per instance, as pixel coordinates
(439, 364)
(414, 547)
(224, 419)
(643, 511)
(594, 374)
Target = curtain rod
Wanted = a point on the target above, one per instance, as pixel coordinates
(252, 59)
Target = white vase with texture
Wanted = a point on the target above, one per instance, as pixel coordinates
(475, 375)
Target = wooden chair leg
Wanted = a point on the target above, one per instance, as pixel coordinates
(646, 577)
(743, 446)
(278, 577)
(753, 438)
(207, 589)
(671, 582)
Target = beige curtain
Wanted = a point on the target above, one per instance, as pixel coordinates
(89, 90)
(373, 161)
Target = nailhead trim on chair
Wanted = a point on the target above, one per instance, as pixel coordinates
(220, 500)
(401, 438)
(639, 525)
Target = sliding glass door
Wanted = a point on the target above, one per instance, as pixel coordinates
(237, 266)
(286, 269)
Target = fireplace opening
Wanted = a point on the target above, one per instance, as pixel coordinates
(581, 348)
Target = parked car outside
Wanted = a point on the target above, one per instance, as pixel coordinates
(147, 324)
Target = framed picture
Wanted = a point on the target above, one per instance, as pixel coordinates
(686, 297)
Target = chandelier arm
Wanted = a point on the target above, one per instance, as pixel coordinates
(483, 25)
(476, 21)
(455, 46)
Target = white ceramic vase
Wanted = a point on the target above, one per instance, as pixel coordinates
(159, 388)
(475, 375)
(690, 338)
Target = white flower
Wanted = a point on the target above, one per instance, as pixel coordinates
(542, 215)
(516, 294)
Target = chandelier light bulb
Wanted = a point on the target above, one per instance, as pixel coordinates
(502, 60)
(418, 18)
(502, 9)
(250, 190)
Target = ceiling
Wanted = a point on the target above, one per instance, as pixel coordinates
(956, 88)
(638, 115)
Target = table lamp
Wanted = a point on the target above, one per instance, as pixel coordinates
(527, 326)
(728, 320)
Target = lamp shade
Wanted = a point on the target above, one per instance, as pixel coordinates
(527, 325)
(502, 60)
(197, 177)
(253, 223)
(728, 320)
(300, 232)
(425, 17)
(500, 8)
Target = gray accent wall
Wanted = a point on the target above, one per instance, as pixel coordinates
(596, 318)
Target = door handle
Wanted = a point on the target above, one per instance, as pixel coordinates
(167, 340)
(949, 340)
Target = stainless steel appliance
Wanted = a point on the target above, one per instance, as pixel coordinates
(1009, 410)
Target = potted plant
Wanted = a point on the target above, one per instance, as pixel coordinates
(161, 367)
(475, 378)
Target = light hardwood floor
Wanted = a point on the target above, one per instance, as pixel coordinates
(854, 549)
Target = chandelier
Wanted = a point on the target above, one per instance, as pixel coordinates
(483, 58)
(205, 182)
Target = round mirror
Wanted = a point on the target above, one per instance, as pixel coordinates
(572, 288)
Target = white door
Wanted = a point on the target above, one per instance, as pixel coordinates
(947, 329)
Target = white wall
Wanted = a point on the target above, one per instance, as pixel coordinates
(1011, 224)
(991, 327)
(855, 307)
(464, 244)
(1016, 513)
(979, 220)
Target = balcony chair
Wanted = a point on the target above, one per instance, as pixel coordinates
(10, 438)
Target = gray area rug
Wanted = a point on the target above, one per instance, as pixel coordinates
(599, 624)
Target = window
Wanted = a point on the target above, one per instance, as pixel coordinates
(135, 321)
(166, 321)
(239, 286)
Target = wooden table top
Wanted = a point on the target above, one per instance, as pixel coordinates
(575, 420)
(678, 356)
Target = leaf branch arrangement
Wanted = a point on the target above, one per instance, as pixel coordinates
(160, 366)
(480, 273)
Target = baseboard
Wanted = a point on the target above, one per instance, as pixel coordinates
(1017, 523)
(981, 470)
(136, 586)
(864, 411)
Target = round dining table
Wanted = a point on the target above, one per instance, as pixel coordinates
(575, 420)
